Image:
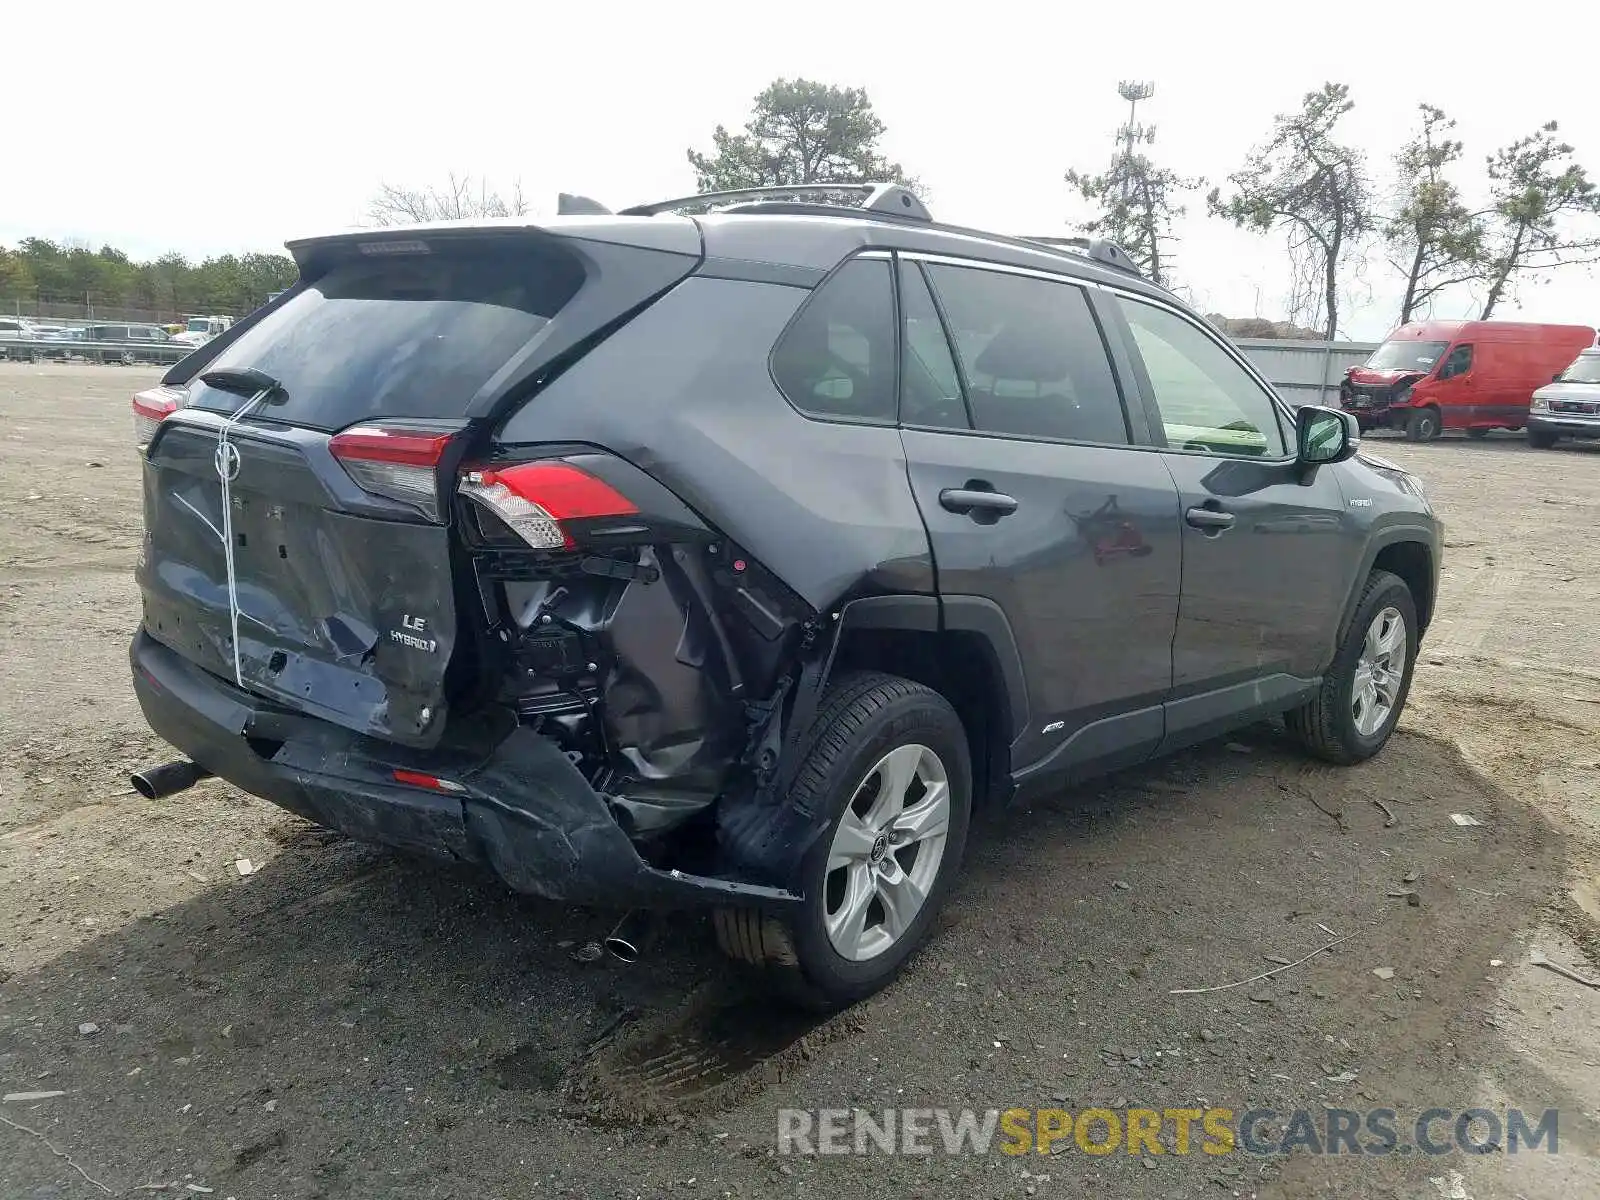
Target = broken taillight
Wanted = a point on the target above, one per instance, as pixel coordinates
(535, 500)
(150, 408)
(393, 461)
(431, 782)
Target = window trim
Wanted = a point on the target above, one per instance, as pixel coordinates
(870, 254)
(1129, 426)
(905, 263)
(1158, 428)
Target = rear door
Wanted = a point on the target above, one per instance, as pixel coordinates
(1036, 503)
(1267, 561)
(297, 538)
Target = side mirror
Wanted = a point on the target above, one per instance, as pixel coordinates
(1325, 435)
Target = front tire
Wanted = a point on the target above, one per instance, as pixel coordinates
(1423, 425)
(887, 759)
(1541, 439)
(1362, 695)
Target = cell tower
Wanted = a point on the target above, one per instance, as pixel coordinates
(1129, 137)
(1134, 91)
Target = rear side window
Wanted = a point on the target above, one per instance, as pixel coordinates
(400, 335)
(1032, 356)
(836, 358)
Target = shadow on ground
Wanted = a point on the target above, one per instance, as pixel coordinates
(351, 1023)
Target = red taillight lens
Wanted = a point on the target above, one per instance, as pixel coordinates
(535, 498)
(394, 461)
(432, 782)
(150, 408)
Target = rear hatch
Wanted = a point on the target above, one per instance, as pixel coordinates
(297, 473)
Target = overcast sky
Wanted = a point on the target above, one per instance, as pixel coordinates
(184, 127)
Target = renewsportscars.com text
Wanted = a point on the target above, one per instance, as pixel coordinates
(1151, 1131)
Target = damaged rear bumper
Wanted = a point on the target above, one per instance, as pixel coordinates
(521, 808)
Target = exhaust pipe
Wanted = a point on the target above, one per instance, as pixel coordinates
(627, 940)
(168, 779)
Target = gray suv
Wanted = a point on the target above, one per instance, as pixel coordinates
(738, 559)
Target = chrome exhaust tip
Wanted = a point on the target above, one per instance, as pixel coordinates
(168, 779)
(627, 941)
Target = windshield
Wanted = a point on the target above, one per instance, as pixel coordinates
(399, 336)
(1586, 369)
(197, 325)
(1406, 355)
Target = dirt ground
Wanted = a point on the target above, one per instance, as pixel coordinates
(345, 1022)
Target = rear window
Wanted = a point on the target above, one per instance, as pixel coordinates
(411, 335)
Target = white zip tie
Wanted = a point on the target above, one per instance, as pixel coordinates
(226, 462)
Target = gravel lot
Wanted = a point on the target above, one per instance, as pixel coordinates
(346, 1022)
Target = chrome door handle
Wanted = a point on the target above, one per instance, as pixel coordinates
(1209, 518)
(966, 500)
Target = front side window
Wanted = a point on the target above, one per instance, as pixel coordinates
(1457, 362)
(1032, 356)
(1207, 401)
(836, 358)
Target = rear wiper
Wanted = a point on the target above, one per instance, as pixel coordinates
(245, 381)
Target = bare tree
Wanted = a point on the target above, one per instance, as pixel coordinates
(1435, 241)
(1535, 190)
(1135, 197)
(1304, 182)
(460, 198)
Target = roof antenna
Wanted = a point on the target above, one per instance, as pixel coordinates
(570, 205)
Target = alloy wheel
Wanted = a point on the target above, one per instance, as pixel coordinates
(1379, 671)
(886, 852)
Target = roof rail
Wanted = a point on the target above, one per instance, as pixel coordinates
(886, 198)
(1099, 250)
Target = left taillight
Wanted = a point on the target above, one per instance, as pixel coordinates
(393, 461)
(539, 501)
(150, 408)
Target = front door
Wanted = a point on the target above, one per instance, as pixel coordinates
(1266, 562)
(1464, 396)
(1020, 460)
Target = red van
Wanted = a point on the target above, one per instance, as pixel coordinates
(1430, 376)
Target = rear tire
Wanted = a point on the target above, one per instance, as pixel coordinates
(881, 752)
(1422, 425)
(1337, 724)
(1541, 439)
